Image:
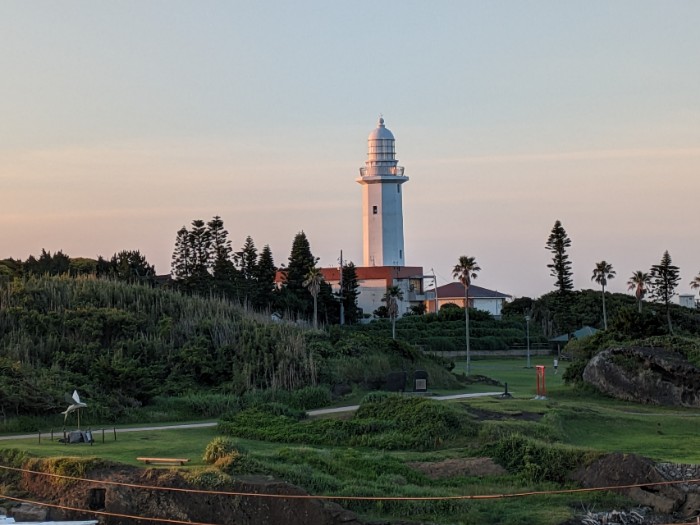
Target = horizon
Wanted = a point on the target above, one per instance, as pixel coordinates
(124, 122)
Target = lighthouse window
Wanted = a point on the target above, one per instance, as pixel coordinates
(374, 210)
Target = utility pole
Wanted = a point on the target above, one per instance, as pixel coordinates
(527, 328)
(436, 294)
(342, 294)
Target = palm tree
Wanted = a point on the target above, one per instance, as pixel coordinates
(465, 270)
(695, 283)
(392, 297)
(602, 273)
(312, 282)
(639, 282)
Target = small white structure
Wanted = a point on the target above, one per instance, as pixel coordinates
(382, 210)
(687, 300)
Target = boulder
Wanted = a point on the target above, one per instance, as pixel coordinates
(645, 375)
(618, 470)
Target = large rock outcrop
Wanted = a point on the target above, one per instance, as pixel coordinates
(131, 500)
(645, 375)
(630, 470)
(634, 473)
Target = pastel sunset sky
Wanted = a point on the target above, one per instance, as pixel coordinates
(120, 122)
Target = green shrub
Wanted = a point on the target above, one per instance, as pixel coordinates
(311, 397)
(218, 448)
(537, 461)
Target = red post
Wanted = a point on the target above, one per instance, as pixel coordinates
(541, 387)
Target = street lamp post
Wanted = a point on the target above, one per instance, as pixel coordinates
(527, 331)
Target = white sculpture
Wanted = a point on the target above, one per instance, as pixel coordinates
(75, 405)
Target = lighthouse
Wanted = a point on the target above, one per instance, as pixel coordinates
(382, 210)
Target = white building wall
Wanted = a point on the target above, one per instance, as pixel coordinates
(392, 225)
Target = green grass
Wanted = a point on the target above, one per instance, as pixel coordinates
(185, 443)
(569, 417)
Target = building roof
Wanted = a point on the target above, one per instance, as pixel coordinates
(381, 133)
(578, 334)
(389, 273)
(456, 290)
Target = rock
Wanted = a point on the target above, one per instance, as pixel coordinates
(27, 512)
(630, 469)
(646, 375)
(188, 506)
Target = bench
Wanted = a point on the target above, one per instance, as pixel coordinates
(162, 461)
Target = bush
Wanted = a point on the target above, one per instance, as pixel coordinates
(536, 461)
(311, 397)
(218, 448)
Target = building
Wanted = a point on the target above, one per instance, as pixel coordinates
(687, 300)
(479, 298)
(383, 253)
(382, 209)
(373, 283)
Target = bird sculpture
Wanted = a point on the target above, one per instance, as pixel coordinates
(75, 406)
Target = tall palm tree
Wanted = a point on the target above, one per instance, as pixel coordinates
(312, 282)
(639, 282)
(602, 273)
(392, 297)
(695, 283)
(465, 270)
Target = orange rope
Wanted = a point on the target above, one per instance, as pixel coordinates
(364, 498)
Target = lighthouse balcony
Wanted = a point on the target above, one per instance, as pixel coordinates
(382, 170)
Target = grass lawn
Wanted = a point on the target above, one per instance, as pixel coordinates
(569, 416)
(185, 443)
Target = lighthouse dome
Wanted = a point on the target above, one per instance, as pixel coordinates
(381, 132)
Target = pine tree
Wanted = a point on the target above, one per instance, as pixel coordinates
(182, 262)
(248, 259)
(265, 271)
(131, 266)
(200, 246)
(191, 259)
(220, 249)
(664, 279)
(350, 293)
(301, 260)
(560, 268)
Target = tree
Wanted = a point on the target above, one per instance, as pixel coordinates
(639, 282)
(200, 245)
(301, 261)
(247, 260)
(466, 270)
(220, 251)
(560, 268)
(391, 298)
(695, 283)
(664, 279)
(349, 293)
(313, 284)
(182, 256)
(265, 272)
(192, 257)
(131, 266)
(47, 264)
(602, 273)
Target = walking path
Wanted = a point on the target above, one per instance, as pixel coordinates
(207, 424)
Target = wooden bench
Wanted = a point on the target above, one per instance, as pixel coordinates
(163, 461)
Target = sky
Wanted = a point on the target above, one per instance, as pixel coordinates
(121, 122)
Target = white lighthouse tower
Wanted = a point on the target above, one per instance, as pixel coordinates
(382, 210)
